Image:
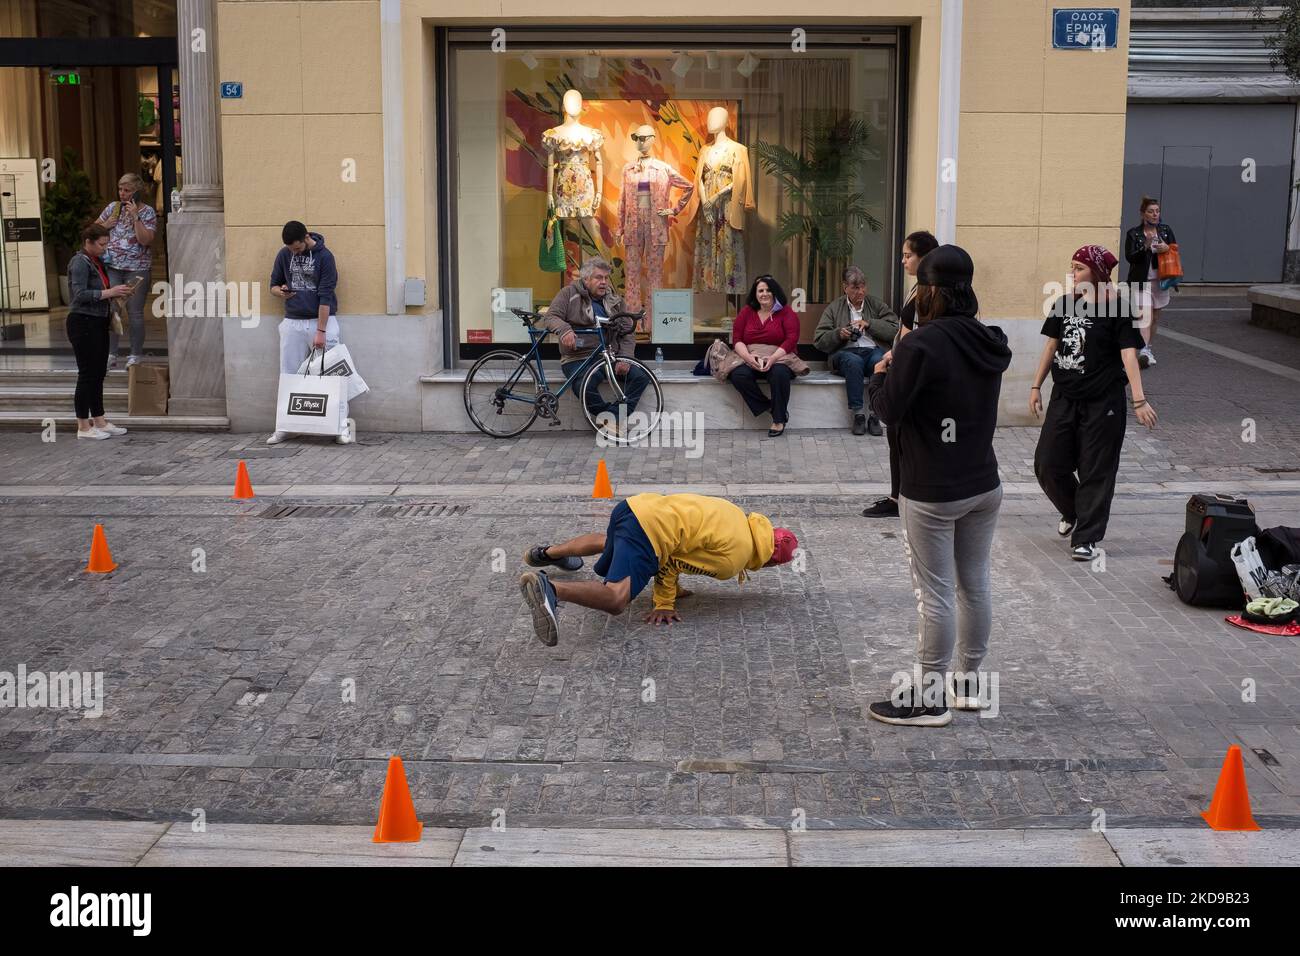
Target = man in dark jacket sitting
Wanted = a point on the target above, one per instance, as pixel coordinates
(855, 331)
(572, 316)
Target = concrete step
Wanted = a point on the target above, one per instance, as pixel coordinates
(54, 378)
(38, 399)
(65, 419)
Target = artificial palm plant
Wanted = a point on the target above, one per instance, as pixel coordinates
(823, 180)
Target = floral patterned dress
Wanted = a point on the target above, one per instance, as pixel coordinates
(572, 150)
(719, 248)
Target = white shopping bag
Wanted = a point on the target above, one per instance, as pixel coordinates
(312, 404)
(337, 361)
(1250, 568)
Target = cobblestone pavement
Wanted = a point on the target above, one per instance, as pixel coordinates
(230, 689)
(225, 689)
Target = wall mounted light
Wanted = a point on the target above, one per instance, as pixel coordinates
(528, 60)
(748, 65)
(682, 66)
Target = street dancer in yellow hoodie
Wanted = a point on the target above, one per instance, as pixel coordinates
(652, 536)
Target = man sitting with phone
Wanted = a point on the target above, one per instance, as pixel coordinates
(131, 223)
(854, 332)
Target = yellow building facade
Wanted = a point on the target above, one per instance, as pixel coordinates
(400, 129)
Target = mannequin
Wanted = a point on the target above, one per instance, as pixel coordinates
(643, 218)
(725, 192)
(574, 193)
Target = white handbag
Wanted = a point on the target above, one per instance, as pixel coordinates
(312, 404)
(338, 361)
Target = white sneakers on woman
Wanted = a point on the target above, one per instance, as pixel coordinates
(109, 430)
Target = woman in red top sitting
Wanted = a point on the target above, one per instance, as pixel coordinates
(765, 320)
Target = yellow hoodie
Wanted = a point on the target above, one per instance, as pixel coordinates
(696, 534)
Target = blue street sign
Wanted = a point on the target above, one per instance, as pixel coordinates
(1085, 28)
(232, 91)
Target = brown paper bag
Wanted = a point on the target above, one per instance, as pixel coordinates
(146, 389)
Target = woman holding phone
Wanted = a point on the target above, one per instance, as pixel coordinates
(87, 326)
(131, 223)
(765, 320)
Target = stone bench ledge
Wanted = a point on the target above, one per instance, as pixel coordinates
(1281, 296)
(667, 376)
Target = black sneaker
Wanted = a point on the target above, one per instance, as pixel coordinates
(873, 426)
(889, 712)
(1064, 527)
(859, 424)
(538, 558)
(544, 605)
(884, 508)
(1084, 552)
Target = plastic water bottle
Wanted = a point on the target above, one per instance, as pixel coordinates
(659, 359)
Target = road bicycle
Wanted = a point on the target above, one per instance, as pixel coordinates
(506, 392)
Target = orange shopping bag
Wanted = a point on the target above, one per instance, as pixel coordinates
(1169, 266)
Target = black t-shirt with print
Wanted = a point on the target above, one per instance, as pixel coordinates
(1090, 336)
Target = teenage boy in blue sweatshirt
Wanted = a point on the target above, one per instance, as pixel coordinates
(304, 275)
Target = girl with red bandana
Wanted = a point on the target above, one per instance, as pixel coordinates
(1092, 351)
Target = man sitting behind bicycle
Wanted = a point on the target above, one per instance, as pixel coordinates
(572, 316)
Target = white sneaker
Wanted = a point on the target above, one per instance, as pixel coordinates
(349, 435)
(1146, 357)
(93, 432)
(1151, 356)
(277, 437)
(1064, 527)
(134, 360)
(112, 429)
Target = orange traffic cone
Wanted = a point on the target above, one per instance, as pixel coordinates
(602, 487)
(1230, 808)
(101, 559)
(397, 820)
(243, 487)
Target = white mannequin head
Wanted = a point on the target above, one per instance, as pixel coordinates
(572, 104)
(718, 120)
(644, 137)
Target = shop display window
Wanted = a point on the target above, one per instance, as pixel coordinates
(692, 169)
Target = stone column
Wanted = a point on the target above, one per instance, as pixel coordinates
(196, 235)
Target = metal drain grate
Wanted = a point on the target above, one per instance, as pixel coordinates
(310, 511)
(434, 509)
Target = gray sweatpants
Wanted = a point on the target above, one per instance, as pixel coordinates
(948, 545)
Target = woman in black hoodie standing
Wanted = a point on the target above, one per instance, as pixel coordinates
(939, 387)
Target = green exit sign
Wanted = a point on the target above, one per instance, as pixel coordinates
(65, 77)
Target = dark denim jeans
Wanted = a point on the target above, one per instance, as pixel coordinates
(633, 385)
(856, 366)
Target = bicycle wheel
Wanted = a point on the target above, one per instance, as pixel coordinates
(632, 427)
(501, 394)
